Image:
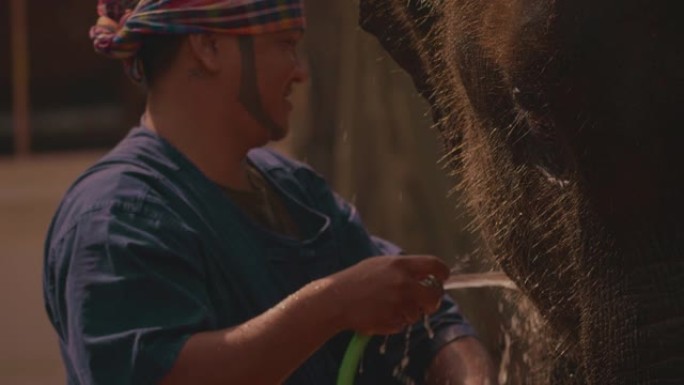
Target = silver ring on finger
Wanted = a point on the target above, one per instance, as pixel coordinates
(430, 282)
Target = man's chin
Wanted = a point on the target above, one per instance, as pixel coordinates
(279, 131)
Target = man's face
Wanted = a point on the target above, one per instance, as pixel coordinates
(278, 68)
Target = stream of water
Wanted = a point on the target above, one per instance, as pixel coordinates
(455, 282)
(466, 281)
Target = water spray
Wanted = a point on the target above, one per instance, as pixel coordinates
(357, 346)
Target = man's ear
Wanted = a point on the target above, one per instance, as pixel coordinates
(204, 48)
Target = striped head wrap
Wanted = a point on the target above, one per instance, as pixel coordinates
(123, 24)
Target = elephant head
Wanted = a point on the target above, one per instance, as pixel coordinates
(564, 119)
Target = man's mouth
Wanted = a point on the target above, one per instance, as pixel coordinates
(286, 98)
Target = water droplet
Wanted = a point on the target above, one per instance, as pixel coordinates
(403, 364)
(383, 347)
(428, 328)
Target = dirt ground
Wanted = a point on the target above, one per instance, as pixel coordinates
(30, 190)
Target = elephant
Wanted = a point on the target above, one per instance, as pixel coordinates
(563, 118)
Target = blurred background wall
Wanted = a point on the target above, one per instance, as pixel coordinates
(358, 121)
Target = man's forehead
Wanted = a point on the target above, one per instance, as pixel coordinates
(296, 34)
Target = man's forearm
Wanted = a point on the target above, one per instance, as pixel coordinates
(266, 349)
(464, 361)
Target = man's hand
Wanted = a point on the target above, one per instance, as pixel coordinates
(462, 362)
(382, 295)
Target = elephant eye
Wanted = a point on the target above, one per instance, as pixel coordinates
(543, 144)
(527, 99)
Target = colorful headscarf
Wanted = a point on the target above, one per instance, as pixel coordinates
(124, 23)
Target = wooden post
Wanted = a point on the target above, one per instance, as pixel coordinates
(20, 77)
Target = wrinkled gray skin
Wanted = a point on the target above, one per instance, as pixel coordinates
(566, 120)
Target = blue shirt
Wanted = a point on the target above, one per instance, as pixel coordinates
(144, 251)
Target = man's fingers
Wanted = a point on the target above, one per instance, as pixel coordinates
(428, 296)
(411, 315)
(422, 266)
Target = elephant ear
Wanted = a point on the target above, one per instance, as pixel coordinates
(415, 22)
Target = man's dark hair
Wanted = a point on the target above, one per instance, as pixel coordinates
(157, 53)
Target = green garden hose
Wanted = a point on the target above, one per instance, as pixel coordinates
(351, 359)
(358, 343)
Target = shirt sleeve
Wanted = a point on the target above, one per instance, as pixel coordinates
(128, 289)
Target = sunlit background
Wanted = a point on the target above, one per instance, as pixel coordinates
(358, 121)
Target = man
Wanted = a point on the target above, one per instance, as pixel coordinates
(190, 255)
